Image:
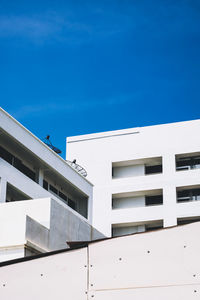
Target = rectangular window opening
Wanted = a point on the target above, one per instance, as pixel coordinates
(187, 194)
(137, 167)
(188, 161)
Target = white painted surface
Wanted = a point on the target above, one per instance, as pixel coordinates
(23, 183)
(128, 171)
(13, 219)
(3, 186)
(11, 253)
(155, 265)
(97, 153)
(161, 258)
(128, 202)
(56, 277)
(182, 292)
(55, 162)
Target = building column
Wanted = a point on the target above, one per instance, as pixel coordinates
(169, 203)
(3, 188)
(40, 176)
(169, 164)
(169, 191)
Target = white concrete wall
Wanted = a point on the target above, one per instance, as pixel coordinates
(128, 202)
(97, 153)
(56, 277)
(13, 219)
(9, 174)
(44, 153)
(44, 223)
(11, 253)
(128, 171)
(148, 266)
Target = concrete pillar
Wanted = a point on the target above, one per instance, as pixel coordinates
(90, 208)
(102, 206)
(169, 192)
(169, 164)
(169, 203)
(40, 176)
(3, 188)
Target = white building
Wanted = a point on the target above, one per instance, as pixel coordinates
(144, 178)
(57, 200)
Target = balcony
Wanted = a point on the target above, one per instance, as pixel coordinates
(189, 161)
(124, 229)
(137, 199)
(137, 167)
(188, 193)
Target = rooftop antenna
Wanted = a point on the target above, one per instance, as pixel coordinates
(50, 145)
(77, 167)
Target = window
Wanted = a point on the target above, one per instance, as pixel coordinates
(153, 200)
(153, 169)
(137, 199)
(72, 204)
(187, 220)
(53, 189)
(63, 196)
(17, 163)
(6, 155)
(186, 195)
(187, 161)
(45, 185)
(137, 167)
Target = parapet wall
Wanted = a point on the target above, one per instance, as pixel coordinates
(156, 265)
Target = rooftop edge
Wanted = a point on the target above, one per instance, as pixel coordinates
(121, 132)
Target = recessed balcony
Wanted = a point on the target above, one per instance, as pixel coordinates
(137, 167)
(188, 193)
(188, 161)
(137, 199)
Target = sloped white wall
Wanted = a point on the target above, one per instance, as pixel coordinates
(157, 265)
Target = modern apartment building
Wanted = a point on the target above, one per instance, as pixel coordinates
(43, 201)
(144, 178)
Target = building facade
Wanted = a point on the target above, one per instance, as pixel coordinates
(144, 178)
(44, 202)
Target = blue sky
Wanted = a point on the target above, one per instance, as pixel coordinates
(77, 67)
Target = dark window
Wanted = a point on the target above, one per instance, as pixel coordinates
(151, 227)
(187, 221)
(53, 189)
(11, 159)
(6, 155)
(154, 200)
(63, 196)
(45, 185)
(188, 195)
(24, 169)
(187, 162)
(17, 163)
(72, 204)
(153, 169)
